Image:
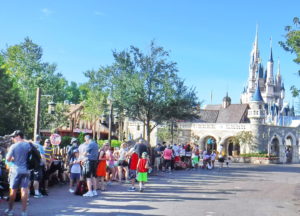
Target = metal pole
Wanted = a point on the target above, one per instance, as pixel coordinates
(37, 113)
(110, 122)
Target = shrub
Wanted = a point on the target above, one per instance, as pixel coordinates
(114, 143)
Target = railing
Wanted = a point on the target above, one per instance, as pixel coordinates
(215, 126)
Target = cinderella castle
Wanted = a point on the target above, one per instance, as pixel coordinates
(262, 114)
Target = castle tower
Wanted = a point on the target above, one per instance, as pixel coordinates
(270, 85)
(226, 101)
(254, 64)
(256, 113)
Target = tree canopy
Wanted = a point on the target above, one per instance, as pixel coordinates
(145, 86)
(292, 45)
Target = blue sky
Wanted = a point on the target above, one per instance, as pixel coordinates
(210, 40)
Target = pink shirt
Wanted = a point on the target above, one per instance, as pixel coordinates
(167, 154)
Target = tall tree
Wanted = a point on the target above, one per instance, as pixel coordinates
(11, 105)
(145, 86)
(24, 65)
(292, 45)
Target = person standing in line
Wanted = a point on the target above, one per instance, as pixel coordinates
(101, 167)
(134, 158)
(157, 157)
(90, 166)
(37, 175)
(122, 163)
(75, 170)
(48, 154)
(167, 155)
(18, 174)
(142, 168)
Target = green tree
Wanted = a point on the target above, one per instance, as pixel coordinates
(145, 86)
(73, 93)
(292, 45)
(24, 65)
(11, 105)
(94, 107)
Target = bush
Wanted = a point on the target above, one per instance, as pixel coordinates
(65, 140)
(114, 143)
(260, 154)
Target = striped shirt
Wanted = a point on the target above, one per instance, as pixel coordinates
(48, 153)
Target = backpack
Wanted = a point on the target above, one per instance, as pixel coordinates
(33, 158)
(81, 188)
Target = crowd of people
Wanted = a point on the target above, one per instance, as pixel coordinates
(89, 168)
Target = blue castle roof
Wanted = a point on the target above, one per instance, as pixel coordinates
(257, 94)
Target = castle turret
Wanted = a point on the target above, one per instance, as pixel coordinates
(270, 79)
(278, 77)
(256, 113)
(226, 101)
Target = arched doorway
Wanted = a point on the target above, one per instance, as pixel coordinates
(274, 148)
(233, 148)
(289, 149)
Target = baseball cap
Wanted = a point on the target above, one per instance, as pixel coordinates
(144, 154)
(74, 140)
(17, 133)
(75, 150)
(47, 141)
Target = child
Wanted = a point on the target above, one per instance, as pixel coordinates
(195, 157)
(134, 157)
(75, 170)
(142, 168)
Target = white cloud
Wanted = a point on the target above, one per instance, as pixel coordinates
(99, 13)
(47, 12)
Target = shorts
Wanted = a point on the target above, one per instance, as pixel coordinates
(36, 175)
(17, 180)
(75, 176)
(221, 159)
(167, 163)
(122, 163)
(90, 168)
(157, 161)
(195, 160)
(142, 177)
(132, 174)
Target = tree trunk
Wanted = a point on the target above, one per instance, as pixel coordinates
(148, 131)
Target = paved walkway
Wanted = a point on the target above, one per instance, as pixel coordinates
(241, 189)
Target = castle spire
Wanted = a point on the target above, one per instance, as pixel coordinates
(271, 55)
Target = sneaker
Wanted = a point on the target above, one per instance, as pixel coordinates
(109, 183)
(128, 182)
(88, 194)
(141, 189)
(9, 212)
(95, 193)
(71, 190)
(131, 189)
(38, 196)
(24, 214)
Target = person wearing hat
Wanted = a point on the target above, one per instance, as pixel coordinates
(18, 174)
(142, 168)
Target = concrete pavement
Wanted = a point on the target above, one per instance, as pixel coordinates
(241, 189)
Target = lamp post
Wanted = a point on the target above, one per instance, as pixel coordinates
(51, 110)
(109, 100)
